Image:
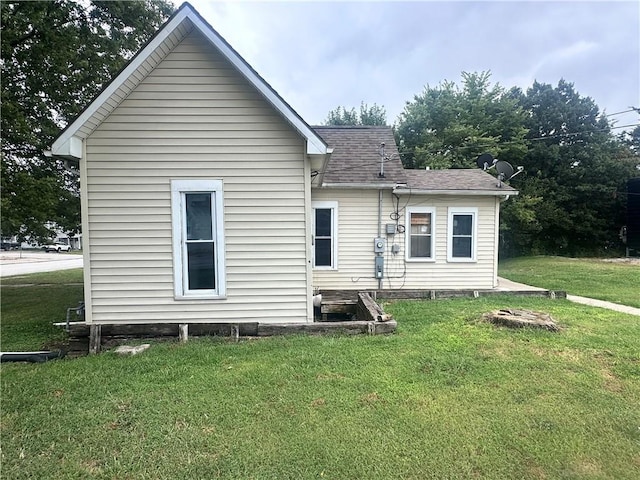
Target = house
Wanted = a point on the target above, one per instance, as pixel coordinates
(438, 228)
(207, 199)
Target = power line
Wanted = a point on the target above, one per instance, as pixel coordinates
(579, 133)
(339, 169)
(511, 142)
(624, 111)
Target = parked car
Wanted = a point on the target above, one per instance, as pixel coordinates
(57, 247)
(6, 245)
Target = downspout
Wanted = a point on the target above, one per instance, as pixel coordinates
(380, 228)
(381, 175)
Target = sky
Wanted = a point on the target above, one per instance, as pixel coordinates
(321, 55)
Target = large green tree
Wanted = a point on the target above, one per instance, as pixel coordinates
(572, 189)
(576, 170)
(368, 115)
(55, 57)
(448, 126)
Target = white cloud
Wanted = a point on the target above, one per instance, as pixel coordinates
(321, 55)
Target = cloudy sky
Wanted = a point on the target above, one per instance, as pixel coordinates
(319, 55)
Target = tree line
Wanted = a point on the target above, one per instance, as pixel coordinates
(57, 55)
(572, 193)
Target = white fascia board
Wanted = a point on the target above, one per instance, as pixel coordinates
(359, 186)
(315, 145)
(71, 148)
(112, 87)
(488, 193)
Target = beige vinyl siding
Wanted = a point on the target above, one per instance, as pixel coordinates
(194, 117)
(143, 69)
(358, 226)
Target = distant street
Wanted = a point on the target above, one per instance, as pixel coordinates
(21, 263)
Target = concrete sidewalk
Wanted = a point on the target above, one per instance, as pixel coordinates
(508, 285)
(22, 263)
(602, 304)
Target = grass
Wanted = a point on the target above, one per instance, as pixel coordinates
(32, 303)
(448, 396)
(601, 279)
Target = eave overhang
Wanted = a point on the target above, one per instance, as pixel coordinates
(487, 193)
(360, 186)
(70, 148)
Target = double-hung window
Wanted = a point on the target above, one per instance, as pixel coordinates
(325, 235)
(462, 234)
(420, 234)
(198, 239)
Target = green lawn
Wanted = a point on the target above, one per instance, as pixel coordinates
(28, 312)
(617, 282)
(447, 396)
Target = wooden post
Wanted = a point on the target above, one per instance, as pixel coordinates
(95, 332)
(235, 332)
(183, 332)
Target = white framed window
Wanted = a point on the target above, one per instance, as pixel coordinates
(420, 234)
(197, 221)
(325, 235)
(462, 234)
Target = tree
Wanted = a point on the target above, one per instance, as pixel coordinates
(374, 115)
(570, 198)
(56, 56)
(448, 127)
(575, 168)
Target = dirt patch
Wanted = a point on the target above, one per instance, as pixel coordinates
(370, 399)
(587, 467)
(611, 381)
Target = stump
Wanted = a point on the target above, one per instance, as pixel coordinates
(522, 318)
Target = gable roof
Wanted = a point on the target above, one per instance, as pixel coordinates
(356, 156)
(181, 23)
(461, 181)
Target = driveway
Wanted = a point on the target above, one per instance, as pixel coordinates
(21, 263)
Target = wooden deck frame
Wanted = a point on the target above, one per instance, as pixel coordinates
(87, 337)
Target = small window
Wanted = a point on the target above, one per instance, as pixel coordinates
(419, 233)
(462, 234)
(198, 238)
(325, 235)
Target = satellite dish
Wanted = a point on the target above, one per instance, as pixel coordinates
(485, 160)
(504, 169)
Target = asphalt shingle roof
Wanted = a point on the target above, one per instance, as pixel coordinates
(356, 155)
(454, 179)
(356, 160)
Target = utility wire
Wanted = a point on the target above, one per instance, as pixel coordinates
(345, 168)
(511, 142)
(624, 111)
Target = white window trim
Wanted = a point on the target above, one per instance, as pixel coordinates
(178, 187)
(473, 211)
(334, 234)
(407, 234)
